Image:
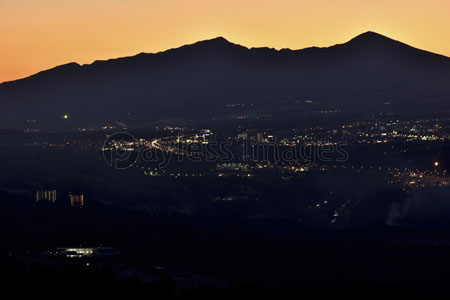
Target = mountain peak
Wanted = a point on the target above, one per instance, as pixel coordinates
(371, 34)
(220, 41)
(370, 37)
(217, 45)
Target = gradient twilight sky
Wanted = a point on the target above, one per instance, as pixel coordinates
(40, 34)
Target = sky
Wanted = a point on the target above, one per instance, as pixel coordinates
(39, 34)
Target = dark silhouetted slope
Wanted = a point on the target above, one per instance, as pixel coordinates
(196, 79)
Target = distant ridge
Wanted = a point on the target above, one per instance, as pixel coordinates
(368, 38)
(209, 73)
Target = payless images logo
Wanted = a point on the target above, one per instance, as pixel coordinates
(121, 150)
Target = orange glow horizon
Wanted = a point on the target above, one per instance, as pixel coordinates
(39, 35)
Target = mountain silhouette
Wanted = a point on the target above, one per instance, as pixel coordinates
(199, 79)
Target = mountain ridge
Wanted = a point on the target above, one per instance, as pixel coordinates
(368, 36)
(200, 78)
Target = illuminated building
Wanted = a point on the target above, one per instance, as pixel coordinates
(85, 252)
(270, 138)
(242, 135)
(48, 195)
(259, 137)
(76, 200)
